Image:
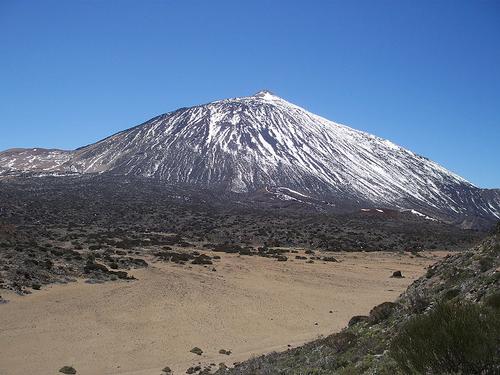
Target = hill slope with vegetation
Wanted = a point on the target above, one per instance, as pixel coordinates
(447, 322)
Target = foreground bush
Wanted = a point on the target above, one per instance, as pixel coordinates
(453, 338)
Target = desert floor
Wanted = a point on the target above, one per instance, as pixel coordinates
(250, 305)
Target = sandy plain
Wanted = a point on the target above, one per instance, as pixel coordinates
(249, 305)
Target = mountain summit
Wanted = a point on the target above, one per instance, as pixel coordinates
(262, 142)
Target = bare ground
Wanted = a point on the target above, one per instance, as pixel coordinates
(250, 305)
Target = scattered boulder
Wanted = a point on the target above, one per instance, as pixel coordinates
(122, 275)
(381, 312)
(196, 350)
(167, 370)
(224, 351)
(193, 369)
(222, 366)
(357, 319)
(397, 274)
(67, 370)
(92, 266)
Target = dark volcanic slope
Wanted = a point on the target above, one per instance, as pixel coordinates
(53, 228)
(262, 141)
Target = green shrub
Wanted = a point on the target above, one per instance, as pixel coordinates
(493, 300)
(496, 249)
(452, 338)
(451, 293)
(417, 302)
(340, 342)
(486, 263)
(431, 271)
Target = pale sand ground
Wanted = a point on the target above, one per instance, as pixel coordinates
(251, 305)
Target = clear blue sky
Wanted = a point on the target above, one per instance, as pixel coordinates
(424, 74)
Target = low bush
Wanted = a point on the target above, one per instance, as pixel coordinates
(451, 293)
(486, 263)
(493, 300)
(453, 338)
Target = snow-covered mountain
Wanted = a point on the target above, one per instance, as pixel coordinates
(264, 142)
